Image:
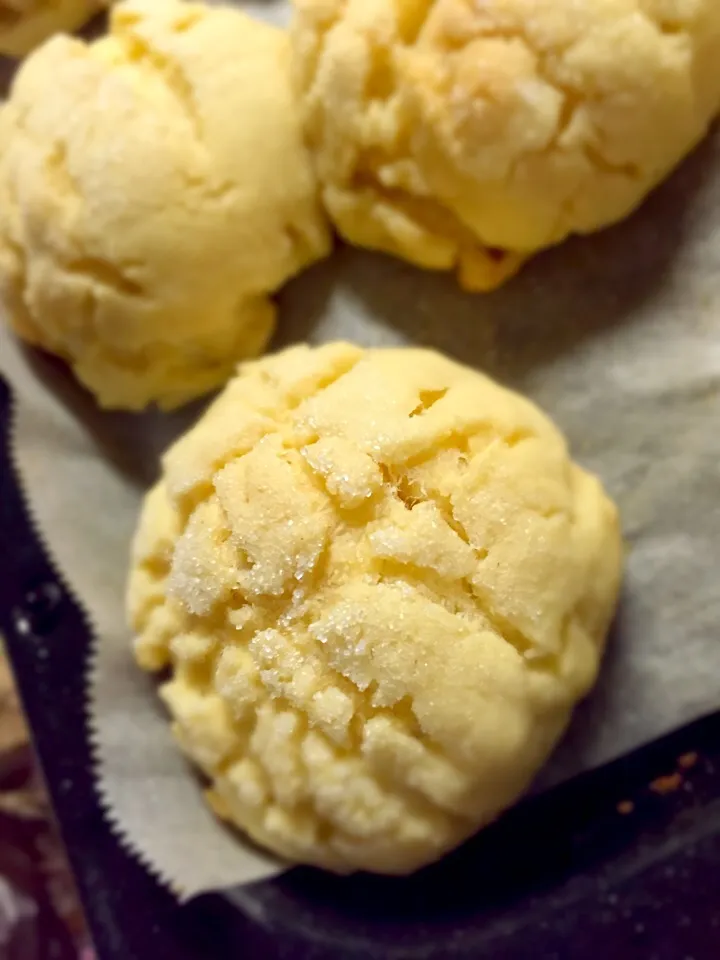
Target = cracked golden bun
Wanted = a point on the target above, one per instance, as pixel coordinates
(467, 135)
(154, 191)
(378, 585)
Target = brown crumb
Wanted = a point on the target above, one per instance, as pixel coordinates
(688, 760)
(668, 784)
(625, 807)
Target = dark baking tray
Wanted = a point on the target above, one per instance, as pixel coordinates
(615, 862)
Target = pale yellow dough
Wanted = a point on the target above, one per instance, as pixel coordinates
(26, 23)
(154, 190)
(445, 131)
(380, 585)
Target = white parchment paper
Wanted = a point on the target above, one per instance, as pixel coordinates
(616, 336)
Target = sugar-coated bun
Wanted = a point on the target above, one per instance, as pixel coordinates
(380, 586)
(154, 190)
(449, 131)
